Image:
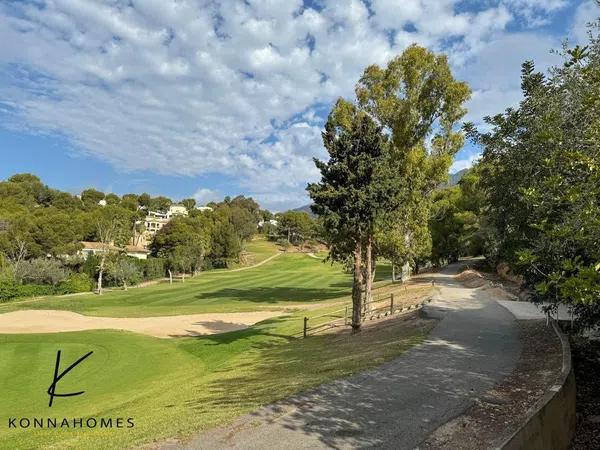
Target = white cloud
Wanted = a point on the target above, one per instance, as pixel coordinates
(205, 195)
(461, 164)
(199, 87)
(535, 12)
(587, 12)
(494, 71)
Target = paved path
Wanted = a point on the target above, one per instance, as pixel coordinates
(531, 311)
(398, 404)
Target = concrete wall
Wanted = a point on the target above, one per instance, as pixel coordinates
(550, 423)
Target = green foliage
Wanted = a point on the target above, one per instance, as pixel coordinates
(40, 271)
(151, 268)
(541, 175)
(348, 197)
(77, 282)
(415, 91)
(91, 197)
(455, 220)
(183, 242)
(10, 291)
(296, 226)
(124, 271)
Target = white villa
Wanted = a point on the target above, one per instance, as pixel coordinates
(271, 221)
(156, 220)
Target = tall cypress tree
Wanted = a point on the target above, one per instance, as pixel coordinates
(348, 197)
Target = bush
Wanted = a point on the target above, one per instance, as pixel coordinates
(77, 282)
(151, 268)
(207, 264)
(11, 291)
(219, 263)
(41, 271)
(282, 242)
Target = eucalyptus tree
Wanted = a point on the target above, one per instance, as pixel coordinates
(418, 103)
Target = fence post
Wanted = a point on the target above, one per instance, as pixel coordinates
(305, 325)
(391, 303)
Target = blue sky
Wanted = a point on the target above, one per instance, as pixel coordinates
(207, 99)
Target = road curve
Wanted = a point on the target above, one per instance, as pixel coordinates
(395, 406)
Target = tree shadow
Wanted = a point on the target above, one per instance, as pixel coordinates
(392, 406)
(274, 294)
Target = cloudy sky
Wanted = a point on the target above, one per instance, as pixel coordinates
(212, 98)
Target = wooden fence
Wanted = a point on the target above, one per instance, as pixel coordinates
(382, 305)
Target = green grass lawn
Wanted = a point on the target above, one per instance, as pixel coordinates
(180, 386)
(175, 387)
(288, 280)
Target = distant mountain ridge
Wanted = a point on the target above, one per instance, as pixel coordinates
(454, 178)
(306, 209)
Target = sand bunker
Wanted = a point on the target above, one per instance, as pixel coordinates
(52, 321)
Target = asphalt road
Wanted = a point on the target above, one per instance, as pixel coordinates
(475, 344)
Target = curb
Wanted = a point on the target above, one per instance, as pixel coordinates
(550, 422)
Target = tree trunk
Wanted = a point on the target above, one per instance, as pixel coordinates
(357, 282)
(101, 273)
(170, 277)
(393, 272)
(369, 274)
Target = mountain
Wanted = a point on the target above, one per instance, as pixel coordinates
(454, 178)
(306, 209)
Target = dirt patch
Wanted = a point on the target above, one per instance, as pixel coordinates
(498, 413)
(586, 363)
(52, 321)
(471, 278)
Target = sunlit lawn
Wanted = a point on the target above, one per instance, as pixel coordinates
(176, 387)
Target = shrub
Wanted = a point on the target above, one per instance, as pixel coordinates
(219, 263)
(41, 271)
(77, 282)
(151, 268)
(282, 242)
(10, 291)
(207, 264)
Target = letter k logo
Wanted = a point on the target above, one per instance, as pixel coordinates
(52, 389)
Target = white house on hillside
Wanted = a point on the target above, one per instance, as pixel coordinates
(155, 220)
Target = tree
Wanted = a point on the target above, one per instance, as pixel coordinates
(144, 200)
(456, 224)
(112, 199)
(183, 242)
(541, 177)
(345, 198)
(415, 99)
(107, 229)
(41, 271)
(91, 197)
(124, 271)
(160, 203)
(189, 203)
(297, 226)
